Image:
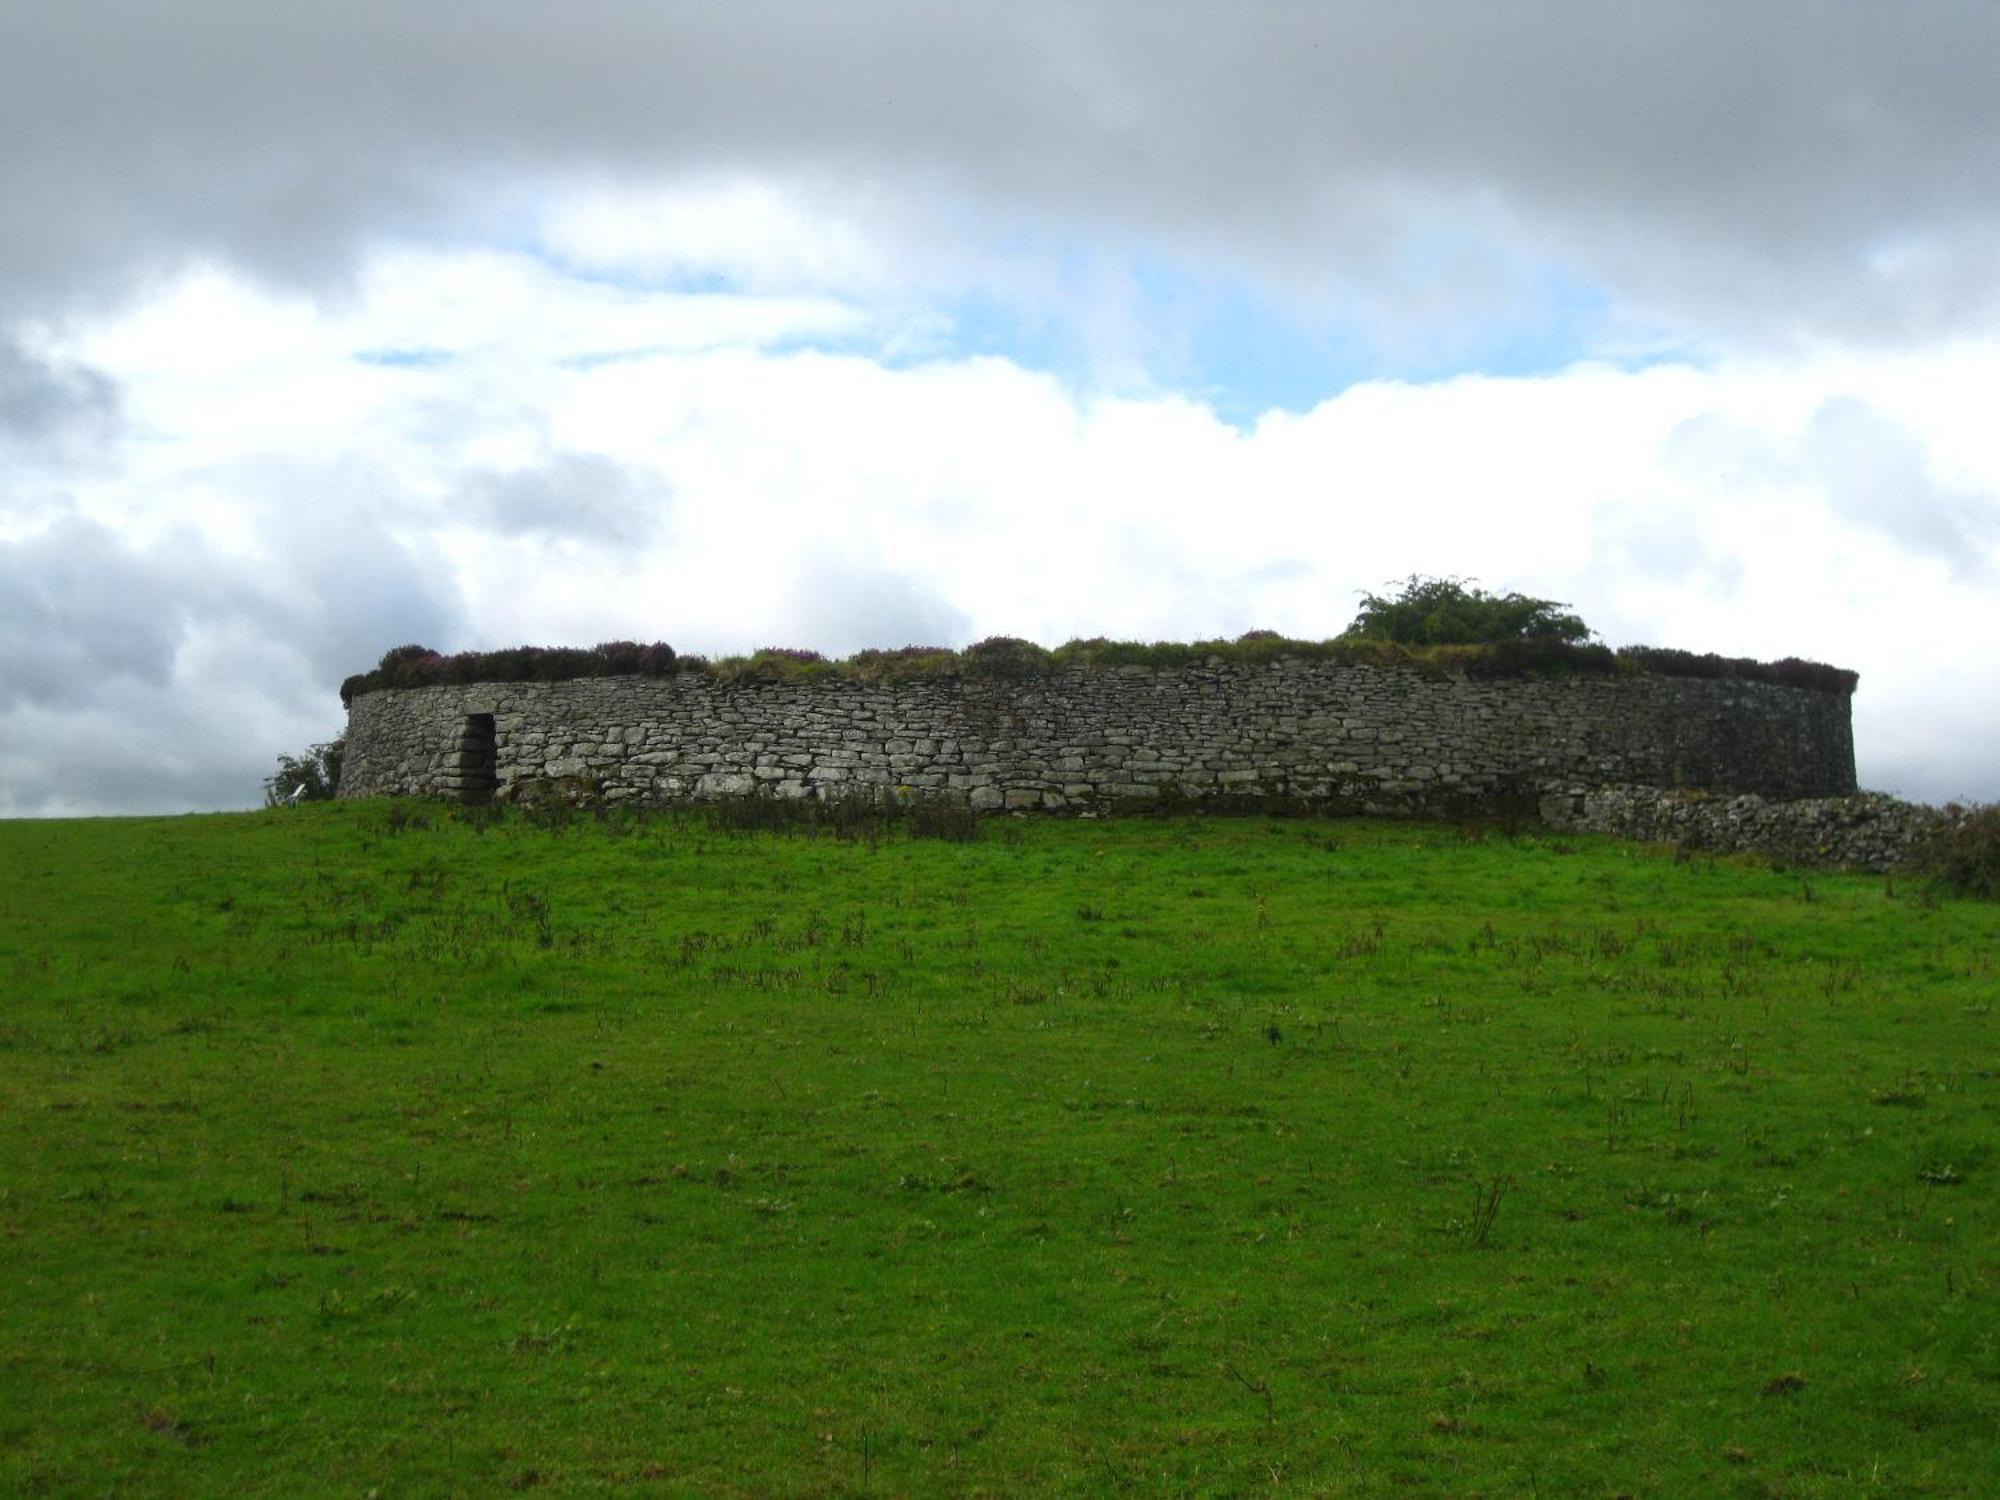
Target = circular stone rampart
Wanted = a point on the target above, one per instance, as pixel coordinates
(1363, 738)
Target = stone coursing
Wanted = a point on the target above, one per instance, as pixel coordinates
(1381, 739)
(1866, 831)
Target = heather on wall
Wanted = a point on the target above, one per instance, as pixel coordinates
(1007, 656)
(1440, 625)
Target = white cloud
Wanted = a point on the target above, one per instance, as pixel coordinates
(748, 233)
(285, 511)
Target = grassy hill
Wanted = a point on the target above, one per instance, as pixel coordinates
(372, 1148)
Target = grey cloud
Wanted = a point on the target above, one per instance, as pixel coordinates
(40, 401)
(1874, 473)
(350, 595)
(78, 610)
(140, 750)
(169, 676)
(574, 496)
(1719, 452)
(349, 571)
(1790, 166)
(1870, 469)
(1958, 770)
(840, 606)
(345, 565)
(1662, 547)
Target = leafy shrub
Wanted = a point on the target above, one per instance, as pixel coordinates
(419, 666)
(312, 777)
(1099, 652)
(396, 656)
(1445, 612)
(623, 658)
(410, 666)
(901, 653)
(1532, 656)
(1962, 853)
(901, 663)
(773, 664)
(1004, 656)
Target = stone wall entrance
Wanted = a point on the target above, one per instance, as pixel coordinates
(472, 770)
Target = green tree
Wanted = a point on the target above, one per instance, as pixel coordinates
(1452, 612)
(312, 777)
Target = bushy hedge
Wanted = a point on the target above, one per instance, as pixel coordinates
(1790, 672)
(1455, 612)
(1011, 657)
(419, 666)
(1963, 853)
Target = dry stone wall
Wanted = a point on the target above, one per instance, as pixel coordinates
(1863, 831)
(1380, 739)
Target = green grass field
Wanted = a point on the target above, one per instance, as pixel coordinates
(367, 1149)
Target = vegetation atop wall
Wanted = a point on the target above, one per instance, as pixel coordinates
(1451, 612)
(1009, 657)
(1434, 624)
(1437, 624)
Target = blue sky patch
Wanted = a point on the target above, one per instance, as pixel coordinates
(405, 359)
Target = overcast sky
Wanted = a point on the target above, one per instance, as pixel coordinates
(326, 328)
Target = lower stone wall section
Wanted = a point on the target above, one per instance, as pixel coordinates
(1866, 831)
(1351, 738)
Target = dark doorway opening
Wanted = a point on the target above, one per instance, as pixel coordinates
(475, 768)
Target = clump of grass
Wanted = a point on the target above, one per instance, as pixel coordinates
(946, 819)
(773, 664)
(862, 816)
